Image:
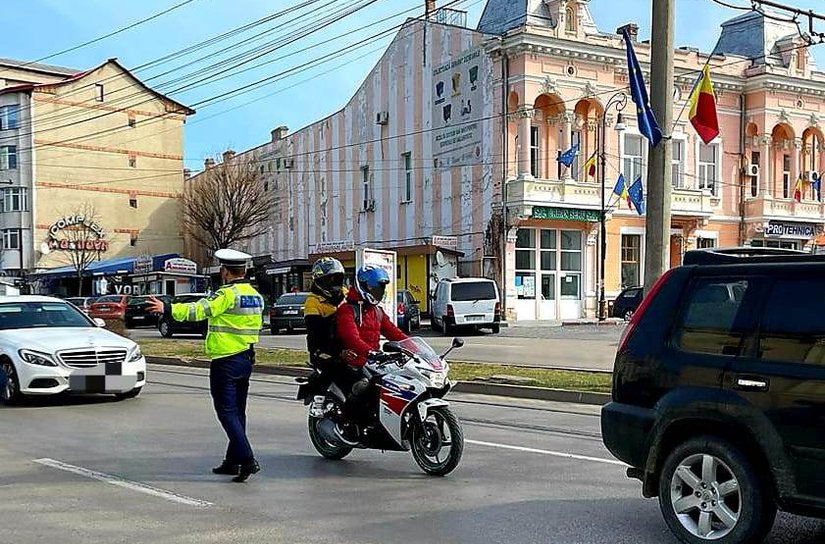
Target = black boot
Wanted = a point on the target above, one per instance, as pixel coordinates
(228, 469)
(247, 469)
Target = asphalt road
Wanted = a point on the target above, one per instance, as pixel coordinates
(581, 347)
(91, 470)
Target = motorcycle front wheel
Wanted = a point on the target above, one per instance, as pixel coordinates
(438, 442)
(322, 445)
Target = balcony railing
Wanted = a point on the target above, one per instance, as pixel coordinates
(454, 17)
(767, 206)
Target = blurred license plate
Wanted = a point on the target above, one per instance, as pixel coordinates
(474, 318)
(290, 312)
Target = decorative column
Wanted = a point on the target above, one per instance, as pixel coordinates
(766, 177)
(524, 124)
(796, 162)
(567, 127)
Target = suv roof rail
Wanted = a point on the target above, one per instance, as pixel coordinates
(744, 255)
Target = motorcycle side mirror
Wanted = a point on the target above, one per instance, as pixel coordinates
(391, 347)
(458, 343)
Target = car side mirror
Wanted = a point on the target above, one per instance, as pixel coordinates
(391, 347)
(457, 343)
(100, 323)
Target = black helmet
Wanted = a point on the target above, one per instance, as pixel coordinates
(328, 278)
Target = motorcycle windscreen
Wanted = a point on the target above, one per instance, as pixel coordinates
(421, 349)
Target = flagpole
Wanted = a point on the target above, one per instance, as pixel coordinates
(619, 100)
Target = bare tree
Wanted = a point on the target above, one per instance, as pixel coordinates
(79, 240)
(226, 204)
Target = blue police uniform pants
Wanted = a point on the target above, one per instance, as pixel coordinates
(229, 385)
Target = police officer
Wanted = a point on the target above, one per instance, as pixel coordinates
(235, 319)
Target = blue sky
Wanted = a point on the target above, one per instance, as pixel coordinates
(35, 28)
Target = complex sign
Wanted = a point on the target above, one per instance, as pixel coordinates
(458, 106)
(91, 237)
(180, 266)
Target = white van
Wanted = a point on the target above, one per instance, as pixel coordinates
(466, 302)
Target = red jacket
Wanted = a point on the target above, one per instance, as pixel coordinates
(366, 338)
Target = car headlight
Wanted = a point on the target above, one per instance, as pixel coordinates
(37, 358)
(135, 355)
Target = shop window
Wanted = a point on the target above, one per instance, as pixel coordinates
(526, 264)
(548, 250)
(782, 244)
(11, 239)
(677, 165)
(8, 157)
(534, 151)
(786, 176)
(633, 157)
(631, 260)
(794, 333)
(571, 250)
(708, 167)
(705, 243)
(9, 118)
(408, 177)
(755, 158)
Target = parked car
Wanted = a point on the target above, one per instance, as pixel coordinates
(719, 393)
(168, 327)
(48, 346)
(627, 302)
(408, 312)
(137, 311)
(466, 302)
(287, 312)
(109, 307)
(84, 304)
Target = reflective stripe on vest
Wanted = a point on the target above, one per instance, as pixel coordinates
(193, 313)
(232, 330)
(207, 310)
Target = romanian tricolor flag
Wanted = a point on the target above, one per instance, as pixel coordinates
(590, 167)
(797, 191)
(621, 190)
(703, 108)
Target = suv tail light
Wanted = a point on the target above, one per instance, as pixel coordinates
(497, 311)
(450, 311)
(401, 308)
(637, 315)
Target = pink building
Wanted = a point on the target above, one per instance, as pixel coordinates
(447, 154)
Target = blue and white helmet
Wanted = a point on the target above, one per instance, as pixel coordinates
(371, 282)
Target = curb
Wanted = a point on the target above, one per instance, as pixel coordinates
(478, 388)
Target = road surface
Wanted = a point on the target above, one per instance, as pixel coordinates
(88, 471)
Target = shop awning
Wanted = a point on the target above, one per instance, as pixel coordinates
(123, 265)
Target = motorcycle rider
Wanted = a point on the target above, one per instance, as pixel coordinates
(360, 324)
(326, 295)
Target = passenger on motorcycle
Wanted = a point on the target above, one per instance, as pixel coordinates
(327, 294)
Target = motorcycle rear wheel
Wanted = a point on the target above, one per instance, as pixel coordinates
(322, 446)
(429, 439)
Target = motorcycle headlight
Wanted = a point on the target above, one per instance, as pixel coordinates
(435, 377)
(37, 358)
(135, 354)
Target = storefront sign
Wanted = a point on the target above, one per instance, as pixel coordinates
(278, 271)
(180, 266)
(87, 235)
(566, 214)
(338, 246)
(791, 230)
(143, 264)
(444, 241)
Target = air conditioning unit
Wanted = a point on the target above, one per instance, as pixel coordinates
(811, 176)
(289, 163)
(382, 118)
(752, 170)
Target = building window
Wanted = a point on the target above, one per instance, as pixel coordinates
(133, 203)
(133, 239)
(755, 157)
(708, 167)
(786, 176)
(408, 177)
(534, 151)
(15, 199)
(631, 260)
(705, 243)
(132, 161)
(11, 239)
(9, 117)
(8, 157)
(569, 20)
(365, 183)
(633, 157)
(678, 164)
(99, 92)
(132, 121)
(576, 139)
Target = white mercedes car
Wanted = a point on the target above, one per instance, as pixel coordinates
(48, 346)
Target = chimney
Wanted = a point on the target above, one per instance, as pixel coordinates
(187, 174)
(429, 8)
(208, 163)
(228, 155)
(632, 31)
(280, 133)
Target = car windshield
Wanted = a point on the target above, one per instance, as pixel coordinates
(472, 291)
(111, 299)
(421, 349)
(31, 315)
(137, 301)
(291, 300)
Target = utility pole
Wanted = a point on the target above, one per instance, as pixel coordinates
(659, 173)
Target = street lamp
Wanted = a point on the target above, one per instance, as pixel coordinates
(619, 100)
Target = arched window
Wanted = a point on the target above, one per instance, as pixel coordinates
(569, 19)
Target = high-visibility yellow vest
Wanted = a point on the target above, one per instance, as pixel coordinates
(235, 314)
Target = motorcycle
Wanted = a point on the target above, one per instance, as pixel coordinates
(407, 410)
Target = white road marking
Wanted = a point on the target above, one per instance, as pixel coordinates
(547, 452)
(121, 482)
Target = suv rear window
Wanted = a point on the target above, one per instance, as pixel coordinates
(709, 318)
(292, 300)
(466, 292)
(110, 299)
(794, 332)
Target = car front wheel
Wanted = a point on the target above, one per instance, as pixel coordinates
(709, 491)
(9, 384)
(165, 329)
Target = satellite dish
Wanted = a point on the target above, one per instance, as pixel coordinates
(45, 249)
(439, 258)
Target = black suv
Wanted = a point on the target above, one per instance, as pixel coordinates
(719, 393)
(168, 327)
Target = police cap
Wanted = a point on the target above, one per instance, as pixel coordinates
(232, 258)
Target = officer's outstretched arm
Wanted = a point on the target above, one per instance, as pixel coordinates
(205, 308)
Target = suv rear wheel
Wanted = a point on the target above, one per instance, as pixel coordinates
(710, 492)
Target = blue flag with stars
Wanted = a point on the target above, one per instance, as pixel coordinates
(647, 121)
(636, 195)
(569, 156)
(816, 185)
